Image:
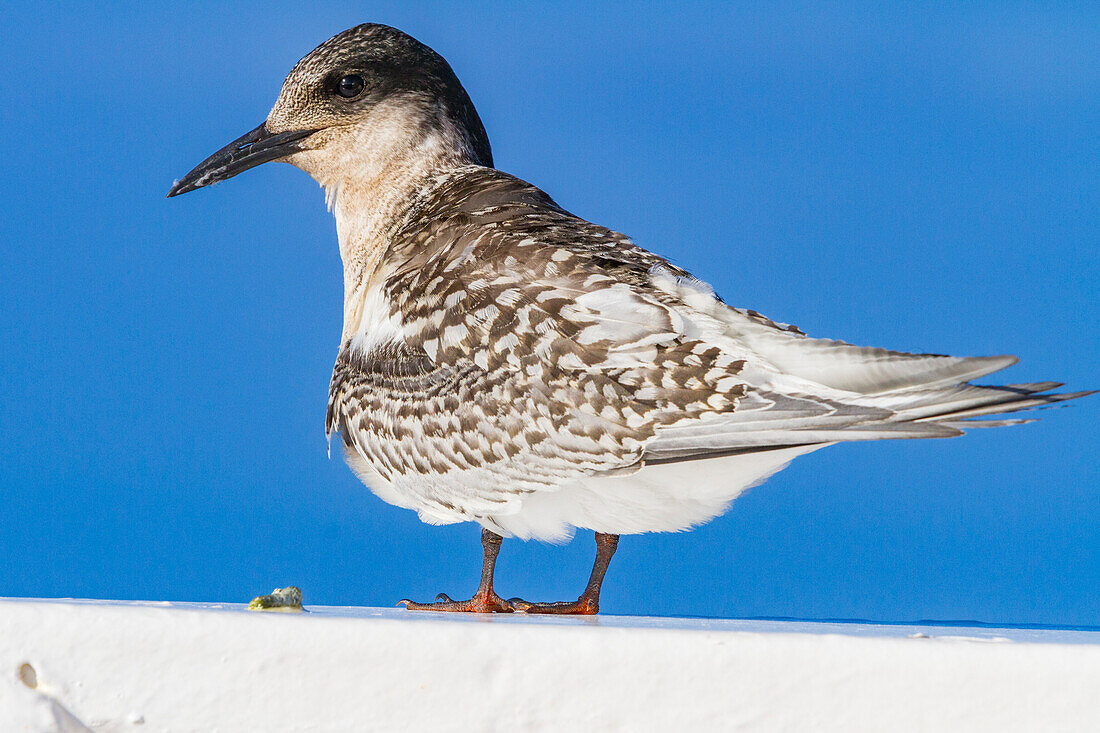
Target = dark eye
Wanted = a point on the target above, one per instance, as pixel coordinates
(350, 86)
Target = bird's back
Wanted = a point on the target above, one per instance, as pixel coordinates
(532, 350)
(537, 353)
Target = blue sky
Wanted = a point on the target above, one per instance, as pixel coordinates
(919, 179)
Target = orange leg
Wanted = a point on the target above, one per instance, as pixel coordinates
(589, 602)
(485, 600)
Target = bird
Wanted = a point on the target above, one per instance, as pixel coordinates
(507, 363)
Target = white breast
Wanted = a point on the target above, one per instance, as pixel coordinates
(370, 320)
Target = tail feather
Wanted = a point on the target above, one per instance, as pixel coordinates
(767, 419)
(836, 364)
(939, 403)
(806, 391)
(965, 425)
(1023, 401)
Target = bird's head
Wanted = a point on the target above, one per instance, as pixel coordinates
(361, 100)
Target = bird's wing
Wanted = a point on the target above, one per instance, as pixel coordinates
(519, 365)
(554, 347)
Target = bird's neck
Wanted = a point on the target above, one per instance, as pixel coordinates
(372, 185)
(369, 209)
(372, 202)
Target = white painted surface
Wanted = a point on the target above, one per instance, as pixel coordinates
(193, 667)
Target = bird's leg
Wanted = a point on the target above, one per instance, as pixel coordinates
(589, 602)
(485, 600)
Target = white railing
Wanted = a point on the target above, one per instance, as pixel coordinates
(112, 666)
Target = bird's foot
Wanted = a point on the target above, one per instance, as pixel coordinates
(481, 603)
(583, 606)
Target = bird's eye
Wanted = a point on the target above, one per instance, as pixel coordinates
(350, 86)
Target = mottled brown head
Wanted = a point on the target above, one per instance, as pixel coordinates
(367, 94)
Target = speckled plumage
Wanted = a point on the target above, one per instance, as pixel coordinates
(538, 351)
(509, 377)
(505, 362)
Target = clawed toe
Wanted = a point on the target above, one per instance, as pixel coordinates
(580, 607)
(492, 603)
(486, 600)
(480, 603)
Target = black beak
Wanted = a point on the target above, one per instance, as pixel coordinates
(247, 151)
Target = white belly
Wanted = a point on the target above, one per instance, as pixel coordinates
(666, 497)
